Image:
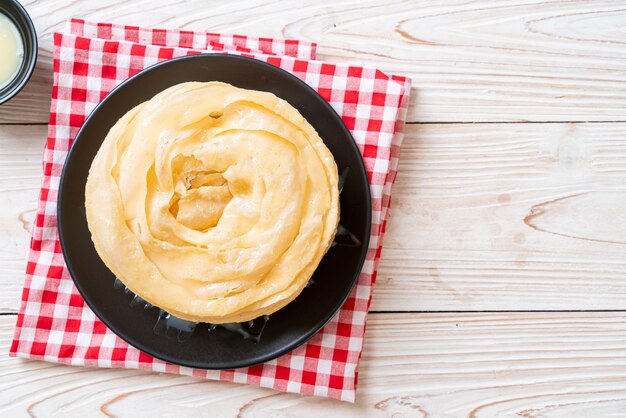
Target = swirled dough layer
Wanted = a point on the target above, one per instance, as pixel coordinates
(212, 202)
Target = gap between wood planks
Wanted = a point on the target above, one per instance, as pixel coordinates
(510, 122)
(464, 312)
(414, 123)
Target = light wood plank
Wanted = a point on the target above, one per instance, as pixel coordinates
(21, 153)
(413, 365)
(470, 61)
(507, 217)
(484, 217)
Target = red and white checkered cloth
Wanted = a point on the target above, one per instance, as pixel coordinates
(54, 323)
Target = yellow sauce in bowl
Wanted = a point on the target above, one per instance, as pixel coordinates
(11, 50)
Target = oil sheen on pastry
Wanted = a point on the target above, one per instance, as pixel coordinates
(212, 202)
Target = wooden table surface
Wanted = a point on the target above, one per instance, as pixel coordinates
(502, 285)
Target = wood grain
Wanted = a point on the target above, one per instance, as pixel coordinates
(507, 216)
(21, 152)
(484, 217)
(470, 61)
(413, 365)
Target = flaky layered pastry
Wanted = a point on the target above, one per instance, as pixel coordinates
(212, 202)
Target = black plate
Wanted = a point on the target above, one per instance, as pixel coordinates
(217, 349)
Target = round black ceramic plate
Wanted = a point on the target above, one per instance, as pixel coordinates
(219, 348)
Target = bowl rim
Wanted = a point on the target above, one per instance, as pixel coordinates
(28, 65)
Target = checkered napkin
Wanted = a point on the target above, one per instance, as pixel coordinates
(54, 324)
